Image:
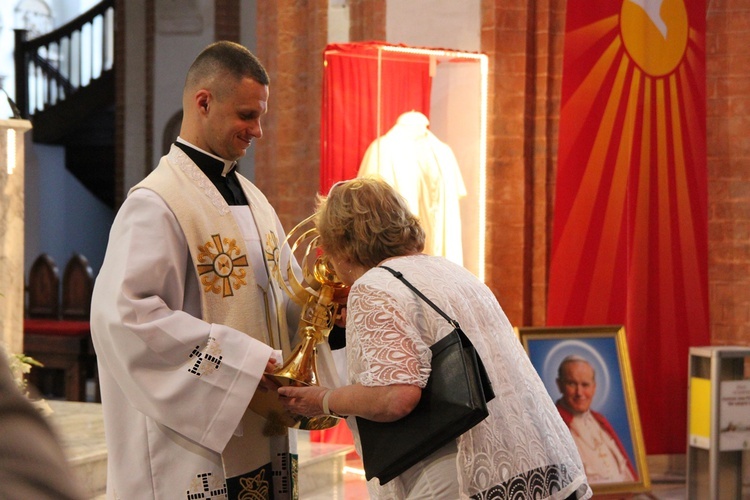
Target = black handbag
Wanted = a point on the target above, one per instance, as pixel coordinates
(454, 400)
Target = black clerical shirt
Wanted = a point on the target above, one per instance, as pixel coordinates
(228, 185)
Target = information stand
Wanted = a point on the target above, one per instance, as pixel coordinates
(718, 421)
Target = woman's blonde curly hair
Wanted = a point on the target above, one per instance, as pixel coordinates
(366, 221)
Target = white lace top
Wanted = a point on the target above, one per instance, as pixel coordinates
(523, 446)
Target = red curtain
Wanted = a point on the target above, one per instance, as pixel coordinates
(630, 218)
(365, 89)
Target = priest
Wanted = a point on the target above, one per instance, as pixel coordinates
(186, 314)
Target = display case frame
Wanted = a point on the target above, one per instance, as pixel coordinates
(367, 85)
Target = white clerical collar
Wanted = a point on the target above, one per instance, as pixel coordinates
(228, 164)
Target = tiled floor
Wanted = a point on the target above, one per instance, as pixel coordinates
(667, 491)
(82, 437)
(354, 488)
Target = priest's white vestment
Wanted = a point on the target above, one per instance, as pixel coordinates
(176, 388)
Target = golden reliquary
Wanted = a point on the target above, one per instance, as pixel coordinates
(315, 293)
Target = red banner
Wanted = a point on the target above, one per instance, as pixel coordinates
(630, 221)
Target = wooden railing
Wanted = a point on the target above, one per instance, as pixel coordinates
(52, 67)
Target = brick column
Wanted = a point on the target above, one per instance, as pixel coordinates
(549, 34)
(366, 20)
(227, 20)
(524, 45)
(134, 69)
(728, 142)
(291, 41)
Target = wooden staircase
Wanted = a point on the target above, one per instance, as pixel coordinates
(65, 85)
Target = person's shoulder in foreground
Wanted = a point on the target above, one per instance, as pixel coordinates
(32, 462)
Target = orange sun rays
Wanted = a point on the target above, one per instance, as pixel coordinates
(658, 112)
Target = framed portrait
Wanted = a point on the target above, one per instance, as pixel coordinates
(586, 371)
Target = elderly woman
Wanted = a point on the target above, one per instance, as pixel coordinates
(523, 449)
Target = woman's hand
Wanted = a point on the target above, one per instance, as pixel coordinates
(381, 404)
(307, 401)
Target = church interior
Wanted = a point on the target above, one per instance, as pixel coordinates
(589, 165)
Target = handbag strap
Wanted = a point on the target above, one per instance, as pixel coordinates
(400, 276)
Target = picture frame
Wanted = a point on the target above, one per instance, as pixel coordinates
(605, 350)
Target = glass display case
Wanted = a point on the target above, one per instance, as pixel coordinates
(369, 90)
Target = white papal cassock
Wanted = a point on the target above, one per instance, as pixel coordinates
(424, 170)
(175, 386)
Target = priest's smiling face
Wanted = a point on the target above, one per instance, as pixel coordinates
(231, 116)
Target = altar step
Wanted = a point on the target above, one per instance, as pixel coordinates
(81, 431)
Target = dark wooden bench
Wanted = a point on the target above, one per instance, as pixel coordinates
(57, 332)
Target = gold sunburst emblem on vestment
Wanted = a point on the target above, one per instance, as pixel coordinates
(220, 266)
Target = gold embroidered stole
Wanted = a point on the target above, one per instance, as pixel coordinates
(229, 290)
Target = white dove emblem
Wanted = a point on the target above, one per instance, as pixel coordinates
(653, 11)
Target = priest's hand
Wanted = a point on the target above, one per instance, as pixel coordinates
(269, 383)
